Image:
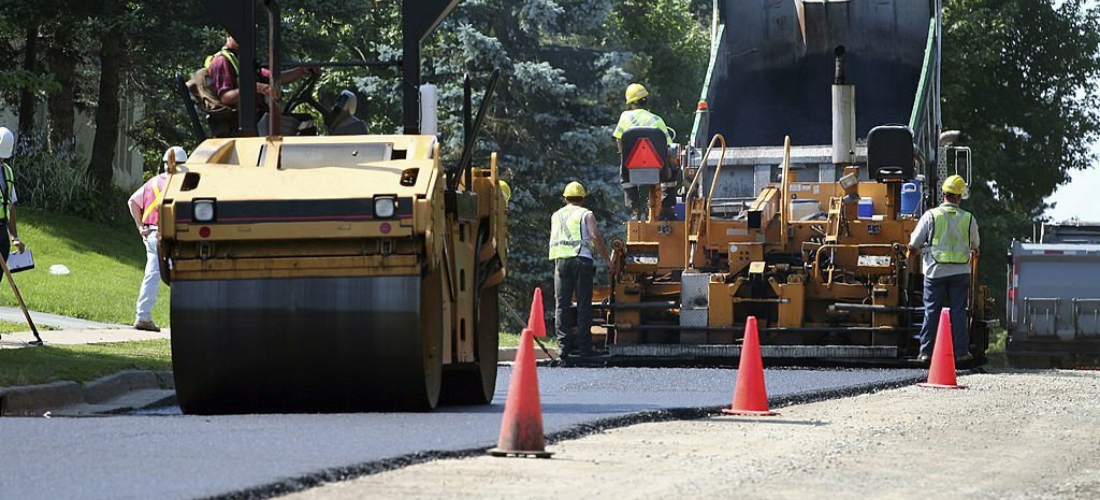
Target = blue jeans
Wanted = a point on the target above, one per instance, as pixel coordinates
(949, 291)
(573, 275)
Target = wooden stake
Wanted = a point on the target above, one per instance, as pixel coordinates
(22, 305)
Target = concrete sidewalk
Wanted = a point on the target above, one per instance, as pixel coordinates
(80, 336)
(15, 315)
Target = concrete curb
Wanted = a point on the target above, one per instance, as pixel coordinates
(35, 400)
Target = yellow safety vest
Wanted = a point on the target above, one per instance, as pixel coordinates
(9, 184)
(566, 239)
(951, 235)
(639, 118)
(158, 197)
(229, 56)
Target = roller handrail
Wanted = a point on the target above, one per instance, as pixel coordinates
(786, 201)
(691, 190)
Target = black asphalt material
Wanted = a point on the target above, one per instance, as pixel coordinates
(259, 456)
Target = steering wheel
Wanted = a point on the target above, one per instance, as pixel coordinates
(304, 93)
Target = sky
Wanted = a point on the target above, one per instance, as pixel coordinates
(1078, 197)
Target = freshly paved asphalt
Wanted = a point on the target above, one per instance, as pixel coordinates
(185, 457)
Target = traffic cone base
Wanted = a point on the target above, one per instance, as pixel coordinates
(941, 373)
(940, 386)
(497, 452)
(765, 413)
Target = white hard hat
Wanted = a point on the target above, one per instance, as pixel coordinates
(7, 142)
(180, 154)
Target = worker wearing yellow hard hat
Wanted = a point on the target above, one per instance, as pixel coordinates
(637, 100)
(573, 234)
(946, 237)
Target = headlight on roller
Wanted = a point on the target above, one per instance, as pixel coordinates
(384, 207)
(202, 211)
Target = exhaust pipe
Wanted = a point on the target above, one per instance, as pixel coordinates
(844, 114)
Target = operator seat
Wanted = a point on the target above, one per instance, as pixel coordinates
(890, 153)
(342, 119)
(644, 159)
(645, 162)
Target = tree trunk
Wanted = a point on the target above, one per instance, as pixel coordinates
(61, 62)
(101, 166)
(26, 97)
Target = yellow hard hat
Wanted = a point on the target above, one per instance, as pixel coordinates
(574, 190)
(506, 190)
(635, 92)
(954, 185)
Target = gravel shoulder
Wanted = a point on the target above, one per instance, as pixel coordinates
(1011, 435)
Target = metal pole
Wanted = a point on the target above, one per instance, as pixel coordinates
(273, 41)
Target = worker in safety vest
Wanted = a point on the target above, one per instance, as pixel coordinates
(8, 196)
(224, 66)
(637, 99)
(946, 236)
(573, 233)
(145, 210)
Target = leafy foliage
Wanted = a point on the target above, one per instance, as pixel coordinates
(1025, 93)
(53, 181)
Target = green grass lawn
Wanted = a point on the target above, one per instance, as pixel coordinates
(106, 267)
(80, 363)
(512, 340)
(12, 327)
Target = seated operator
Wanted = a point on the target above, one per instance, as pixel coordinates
(224, 67)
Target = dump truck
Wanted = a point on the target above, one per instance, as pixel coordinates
(1053, 306)
(800, 192)
(339, 273)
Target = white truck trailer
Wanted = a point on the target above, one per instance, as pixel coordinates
(1053, 306)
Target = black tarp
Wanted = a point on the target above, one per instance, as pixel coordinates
(769, 81)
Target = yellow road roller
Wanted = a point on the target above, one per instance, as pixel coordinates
(336, 273)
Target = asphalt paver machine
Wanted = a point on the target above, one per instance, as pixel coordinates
(800, 193)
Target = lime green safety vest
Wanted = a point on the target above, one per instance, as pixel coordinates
(566, 239)
(229, 56)
(639, 118)
(9, 184)
(950, 235)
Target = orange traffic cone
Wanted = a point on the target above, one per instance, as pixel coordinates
(537, 321)
(750, 397)
(941, 375)
(521, 431)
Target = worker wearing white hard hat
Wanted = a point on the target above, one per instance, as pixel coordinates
(144, 207)
(7, 195)
(946, 237)
(574, 234)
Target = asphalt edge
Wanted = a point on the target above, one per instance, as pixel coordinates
(345, 473)
(36, 400)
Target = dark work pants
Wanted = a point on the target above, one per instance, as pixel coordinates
(949, 291)
(573, 275)
(633, 197)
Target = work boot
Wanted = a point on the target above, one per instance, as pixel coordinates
(964, 358)
(924, 358)
(146, 325)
